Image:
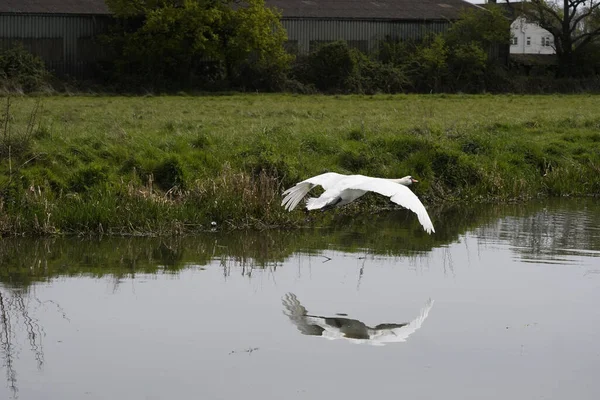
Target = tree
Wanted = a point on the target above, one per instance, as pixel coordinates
(487, 27)
(571, 23)
(470, 40)
(170, 39)
(255, 31)
(430, 63)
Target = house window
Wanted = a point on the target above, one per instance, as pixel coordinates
(546, 41)
(514, 41)
(528, 41)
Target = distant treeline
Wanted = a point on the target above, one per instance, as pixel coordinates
(170, 47)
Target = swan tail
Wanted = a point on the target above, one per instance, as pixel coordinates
(315, 203)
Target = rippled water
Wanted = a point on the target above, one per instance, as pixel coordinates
(503, 302)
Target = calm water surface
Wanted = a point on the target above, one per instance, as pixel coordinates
(503, 302)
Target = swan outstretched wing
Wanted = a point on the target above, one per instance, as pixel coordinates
(397, 193)
(295, 194)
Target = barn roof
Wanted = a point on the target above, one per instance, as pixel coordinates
(365, 9)
(351, 9)
(54, 7)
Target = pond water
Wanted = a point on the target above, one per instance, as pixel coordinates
(502, 302)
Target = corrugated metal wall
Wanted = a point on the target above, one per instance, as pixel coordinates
(364, 35)
(62, 41)
(65, 42)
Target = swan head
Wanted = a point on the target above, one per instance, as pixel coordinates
(407, 180)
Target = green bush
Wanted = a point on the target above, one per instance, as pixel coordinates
(335, 67)
(373, 76)
(20, 68)
(331, 65)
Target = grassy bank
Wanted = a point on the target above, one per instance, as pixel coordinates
(133, 165)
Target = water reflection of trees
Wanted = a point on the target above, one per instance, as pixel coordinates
(552, 232)
(533, 229)
(24, 261)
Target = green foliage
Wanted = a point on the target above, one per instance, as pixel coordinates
(429, 64)
(394, 51)
(253, 34)
(467, 66)
(373, 76)
(483, 26)
(331, 65)
(456, 60)
(334, 67)
(175, 43)
(22, 70)
(469, 40)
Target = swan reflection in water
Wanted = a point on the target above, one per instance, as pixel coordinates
(339, 327)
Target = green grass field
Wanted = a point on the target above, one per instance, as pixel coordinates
(150, 165)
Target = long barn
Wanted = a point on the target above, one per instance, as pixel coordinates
(61, 32)
(362, 23)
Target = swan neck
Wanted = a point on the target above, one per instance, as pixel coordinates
(401, 181)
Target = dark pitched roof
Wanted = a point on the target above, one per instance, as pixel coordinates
(512, 10)
(54, 6)
(354, 9)
(366, 9)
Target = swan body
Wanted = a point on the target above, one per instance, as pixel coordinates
(353, 330)
(343, 189)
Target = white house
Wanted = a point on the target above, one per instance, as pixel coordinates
(529, 38)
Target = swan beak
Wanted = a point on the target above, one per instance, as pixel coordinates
(413, 180)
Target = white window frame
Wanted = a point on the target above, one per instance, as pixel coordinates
(528, 41)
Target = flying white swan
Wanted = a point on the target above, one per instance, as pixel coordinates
(343, 189)
(350, 329)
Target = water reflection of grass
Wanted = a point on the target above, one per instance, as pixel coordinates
(17, 307)
(24, 261)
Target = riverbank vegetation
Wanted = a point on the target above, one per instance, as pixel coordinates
(171, 165)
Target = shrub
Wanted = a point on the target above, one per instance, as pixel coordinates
(373, 76)
(334, 67)
(20, 68)
(331, 65)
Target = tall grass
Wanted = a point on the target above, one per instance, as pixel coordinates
(175, 164)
